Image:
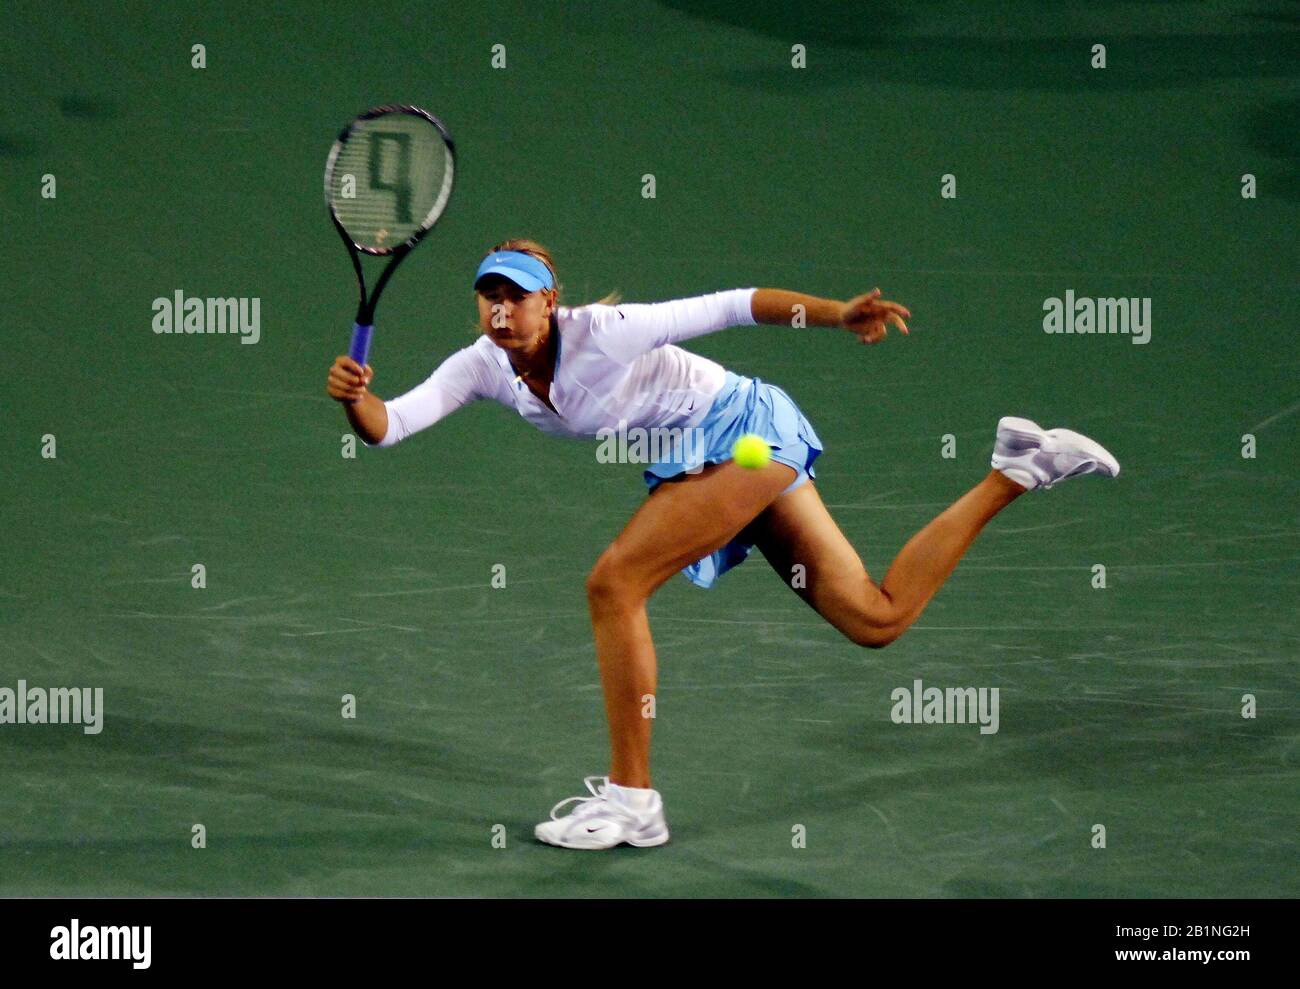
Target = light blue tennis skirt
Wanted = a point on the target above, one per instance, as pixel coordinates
(744, 405)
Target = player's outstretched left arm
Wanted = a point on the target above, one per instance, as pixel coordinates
(865, 316)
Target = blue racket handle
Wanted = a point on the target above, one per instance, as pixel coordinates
(360, 344)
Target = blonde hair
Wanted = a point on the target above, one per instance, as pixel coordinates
(526, 246)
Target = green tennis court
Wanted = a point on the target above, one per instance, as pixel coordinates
(477, 707)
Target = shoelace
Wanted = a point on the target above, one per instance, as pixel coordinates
(598, 802)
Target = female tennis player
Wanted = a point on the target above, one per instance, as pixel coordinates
(574, 371)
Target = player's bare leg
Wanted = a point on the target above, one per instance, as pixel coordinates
(681, 522)
(797, 530)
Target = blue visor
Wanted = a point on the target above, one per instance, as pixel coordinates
(522, 269)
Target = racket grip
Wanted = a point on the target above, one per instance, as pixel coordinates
(360, 343)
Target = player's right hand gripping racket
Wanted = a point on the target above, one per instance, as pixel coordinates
(387, 181)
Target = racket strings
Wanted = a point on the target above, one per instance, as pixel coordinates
(390, 179)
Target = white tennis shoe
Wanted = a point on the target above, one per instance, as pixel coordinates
(604, 820)
(1039, 458)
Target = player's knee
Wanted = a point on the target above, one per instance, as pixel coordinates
(875, 624)
(611, 580)
(874, 636)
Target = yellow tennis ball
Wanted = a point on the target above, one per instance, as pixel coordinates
(752, 451)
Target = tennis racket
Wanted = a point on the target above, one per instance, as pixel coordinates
(387, 181)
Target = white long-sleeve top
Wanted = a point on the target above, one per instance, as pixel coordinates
(614, 364)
